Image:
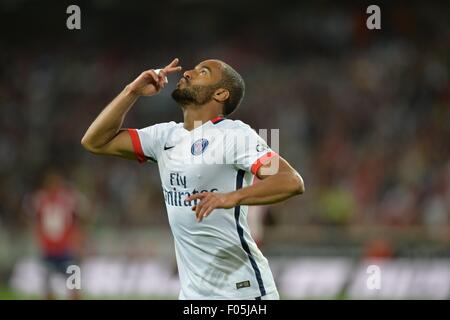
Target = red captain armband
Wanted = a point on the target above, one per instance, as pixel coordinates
(261, 161)
(137, 145)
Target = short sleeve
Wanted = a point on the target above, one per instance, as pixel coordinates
(248, 150)
(147, 141)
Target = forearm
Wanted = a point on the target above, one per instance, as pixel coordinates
(273, 189)
(264, 200)
(110, 120)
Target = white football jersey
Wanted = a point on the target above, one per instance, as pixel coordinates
(217, 258)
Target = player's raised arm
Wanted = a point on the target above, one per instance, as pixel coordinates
(105, 135)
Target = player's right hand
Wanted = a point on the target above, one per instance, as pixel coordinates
(150, 83)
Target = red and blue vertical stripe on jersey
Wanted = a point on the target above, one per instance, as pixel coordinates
(237, 211)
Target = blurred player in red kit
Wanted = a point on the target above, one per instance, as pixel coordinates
(58, 209)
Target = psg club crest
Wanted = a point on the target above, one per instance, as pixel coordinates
(199, 146)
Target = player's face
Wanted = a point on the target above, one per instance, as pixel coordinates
(198, 85)
(53, 181)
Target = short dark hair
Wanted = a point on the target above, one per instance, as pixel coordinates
(233, 82)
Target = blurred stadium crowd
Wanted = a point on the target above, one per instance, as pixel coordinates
(363, 115)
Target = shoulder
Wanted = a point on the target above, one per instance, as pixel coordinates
(237, 128)
(238, 134)
(165, 125)
(160, 127)
(234, 125)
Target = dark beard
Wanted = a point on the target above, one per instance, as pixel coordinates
(195, 95)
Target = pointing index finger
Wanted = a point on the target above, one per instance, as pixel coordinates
(173, 63)
(172, 67)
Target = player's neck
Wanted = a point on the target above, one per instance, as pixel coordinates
(195, 116)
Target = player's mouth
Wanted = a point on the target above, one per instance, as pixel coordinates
(182, 80)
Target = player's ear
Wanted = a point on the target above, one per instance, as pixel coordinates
(221, 95)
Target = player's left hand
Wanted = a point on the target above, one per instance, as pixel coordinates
(210, 201)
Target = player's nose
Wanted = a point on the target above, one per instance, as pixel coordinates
(187, 75)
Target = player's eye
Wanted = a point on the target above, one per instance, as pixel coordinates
(203, 71)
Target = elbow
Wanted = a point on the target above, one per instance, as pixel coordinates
(87, 144)
(299, 185)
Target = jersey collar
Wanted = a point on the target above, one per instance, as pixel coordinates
(217, 120)
(206, 124)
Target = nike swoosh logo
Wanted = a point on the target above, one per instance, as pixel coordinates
(167, 148)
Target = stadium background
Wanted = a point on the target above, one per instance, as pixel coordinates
(363, 115)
